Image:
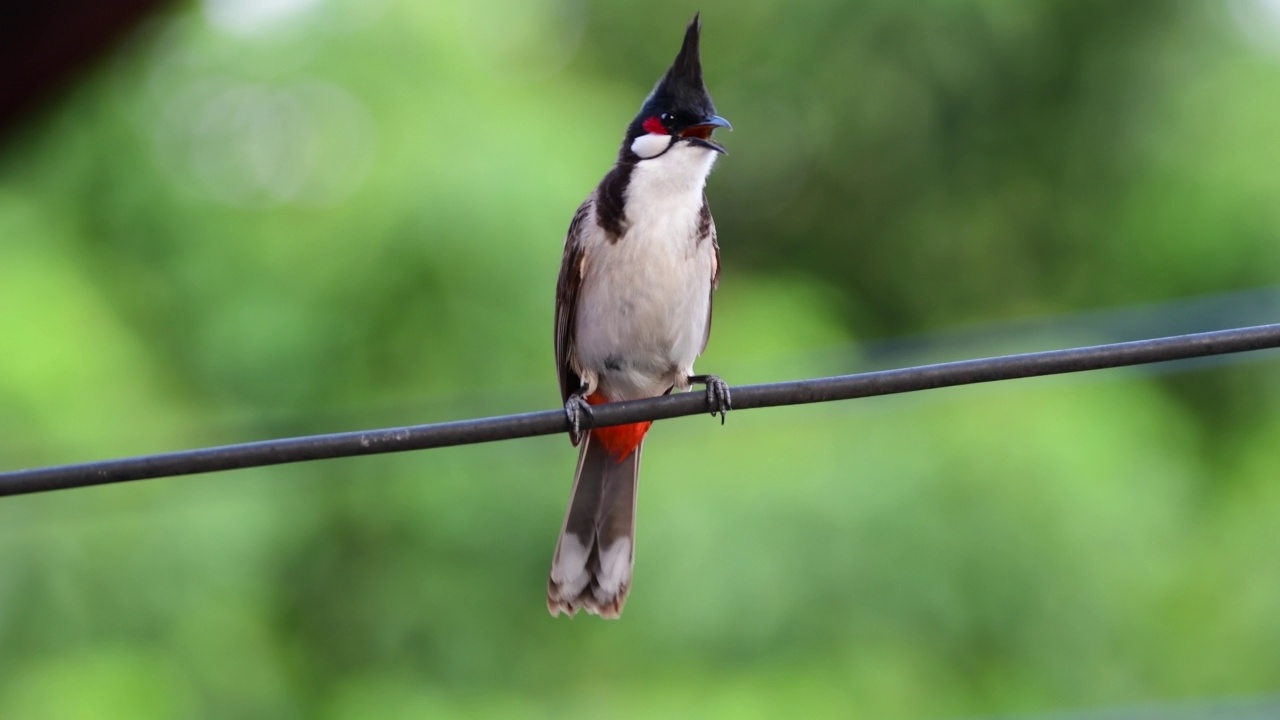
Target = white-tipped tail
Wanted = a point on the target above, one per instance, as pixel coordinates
(591, 568)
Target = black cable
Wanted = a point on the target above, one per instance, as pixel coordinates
(548, 422)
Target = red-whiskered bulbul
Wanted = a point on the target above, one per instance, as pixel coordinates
(633, 311)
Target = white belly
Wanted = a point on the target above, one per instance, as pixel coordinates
(644, 302)
(641, 320)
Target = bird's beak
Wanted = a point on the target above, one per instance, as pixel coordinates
(700, 133)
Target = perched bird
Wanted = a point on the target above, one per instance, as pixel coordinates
(633, 312)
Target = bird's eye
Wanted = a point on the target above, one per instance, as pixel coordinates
(667, 118)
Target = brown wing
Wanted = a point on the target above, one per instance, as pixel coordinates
(571, 267)
(707, 233)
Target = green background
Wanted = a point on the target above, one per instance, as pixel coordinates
(278, 218)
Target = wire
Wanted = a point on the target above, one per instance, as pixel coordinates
(548, 422)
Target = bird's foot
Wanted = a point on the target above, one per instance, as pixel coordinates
(717, 394)
(577, 410)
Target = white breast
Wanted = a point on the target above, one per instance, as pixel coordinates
(644, 302)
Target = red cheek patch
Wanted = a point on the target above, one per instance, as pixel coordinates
(654, 126)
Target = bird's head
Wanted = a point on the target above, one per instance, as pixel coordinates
(679, 111)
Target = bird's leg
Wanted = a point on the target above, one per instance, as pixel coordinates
(576, 409)
(717, 394)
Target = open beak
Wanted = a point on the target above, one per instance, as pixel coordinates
(700, 134)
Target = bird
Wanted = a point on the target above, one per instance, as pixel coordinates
(633, 311)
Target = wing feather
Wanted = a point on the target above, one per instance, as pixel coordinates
(572, 267)
(707, 233)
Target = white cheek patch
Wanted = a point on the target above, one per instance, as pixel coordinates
(651, 145)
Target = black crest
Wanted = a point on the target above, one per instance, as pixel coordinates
(681, 90)
(682, 86)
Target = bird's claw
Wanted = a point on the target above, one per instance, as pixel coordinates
(576, 409)
(717, 394)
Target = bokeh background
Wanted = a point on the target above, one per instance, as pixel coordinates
(260, 218)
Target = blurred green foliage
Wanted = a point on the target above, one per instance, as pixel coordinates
(264, 219)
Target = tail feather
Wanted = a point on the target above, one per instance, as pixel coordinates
(591, 569)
